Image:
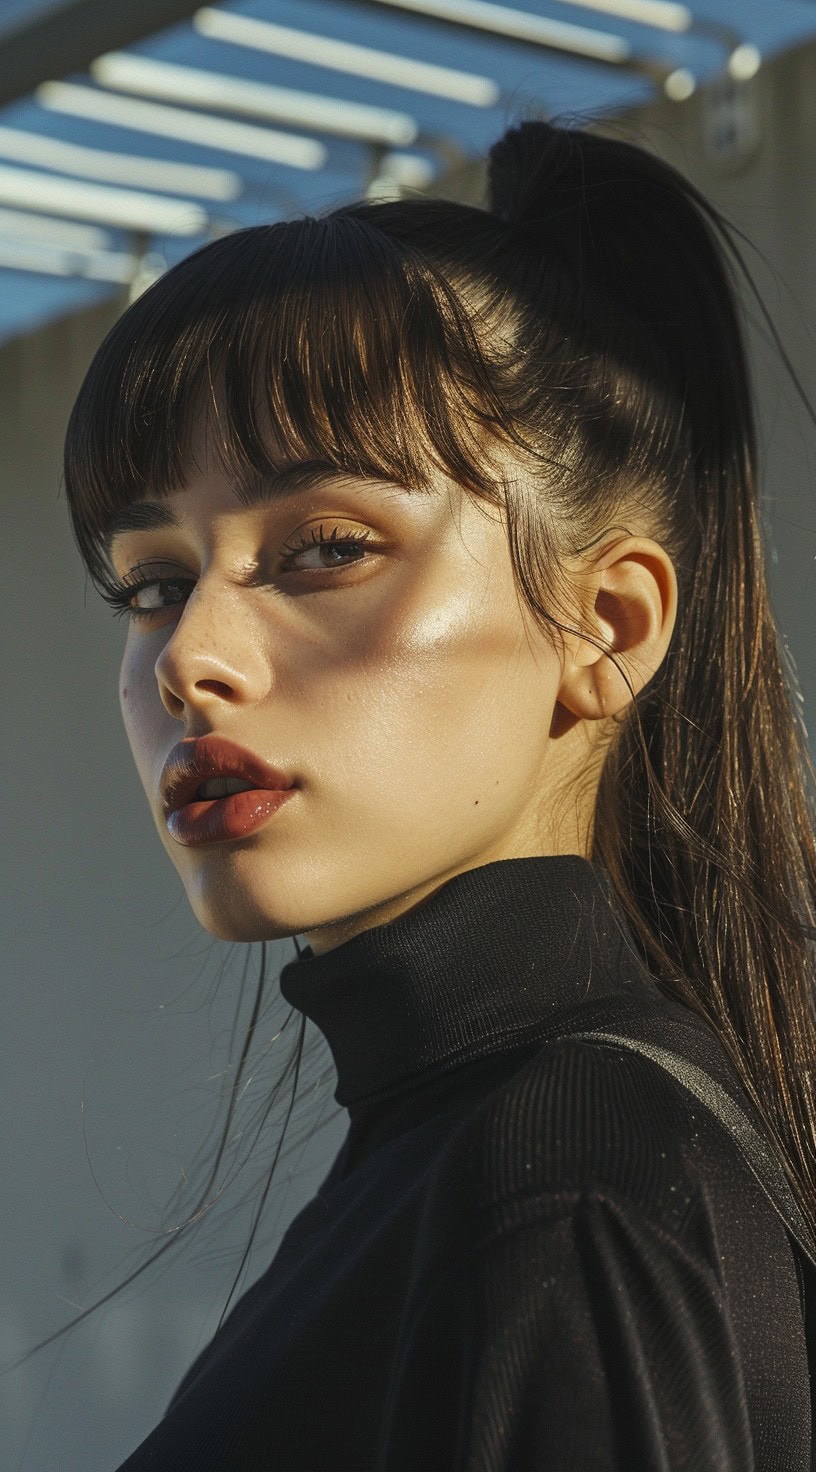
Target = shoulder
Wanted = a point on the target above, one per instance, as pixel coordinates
(579, 1120)
(566, 1281)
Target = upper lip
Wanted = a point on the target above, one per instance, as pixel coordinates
(195, 759)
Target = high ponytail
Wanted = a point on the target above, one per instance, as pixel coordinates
(704, 815)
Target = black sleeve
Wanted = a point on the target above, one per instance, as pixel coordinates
(578, 1335)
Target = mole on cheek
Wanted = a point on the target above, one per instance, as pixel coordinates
(124, 692)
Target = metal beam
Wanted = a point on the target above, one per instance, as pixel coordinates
(528, 29)
(67, 38)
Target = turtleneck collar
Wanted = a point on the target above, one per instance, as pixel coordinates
(494, 954)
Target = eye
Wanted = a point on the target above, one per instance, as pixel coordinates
(327, 553)
(122, 596)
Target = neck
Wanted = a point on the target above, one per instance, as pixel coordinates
(488, 959)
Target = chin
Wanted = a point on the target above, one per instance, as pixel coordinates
(246, 927)
(230, 911)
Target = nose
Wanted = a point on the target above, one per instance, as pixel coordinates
(215, 652)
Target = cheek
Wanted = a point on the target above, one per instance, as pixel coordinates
(143, 714)
(445, 704)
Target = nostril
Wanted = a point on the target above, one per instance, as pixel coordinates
(216, 687)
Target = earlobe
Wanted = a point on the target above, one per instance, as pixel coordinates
(630, 609)
(592, 688)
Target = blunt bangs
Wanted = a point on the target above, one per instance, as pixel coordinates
(318, 342)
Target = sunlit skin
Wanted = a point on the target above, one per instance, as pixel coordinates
(430, 724)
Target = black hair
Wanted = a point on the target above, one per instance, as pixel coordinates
(586, 319)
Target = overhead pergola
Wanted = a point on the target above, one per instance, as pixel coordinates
(67, 37)
(131, 133)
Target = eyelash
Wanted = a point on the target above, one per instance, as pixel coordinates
(119, 596)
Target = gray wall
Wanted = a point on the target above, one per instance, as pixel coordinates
(117, 1006)
(115, 1044)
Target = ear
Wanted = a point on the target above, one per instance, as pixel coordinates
(628, 599)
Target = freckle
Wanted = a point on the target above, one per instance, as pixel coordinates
(124, 692)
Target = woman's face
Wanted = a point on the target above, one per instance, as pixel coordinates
(400, 682)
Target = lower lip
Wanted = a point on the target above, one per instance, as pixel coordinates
(222, 818)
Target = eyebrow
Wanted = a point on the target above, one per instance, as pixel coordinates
(141, 516)
(148, 516)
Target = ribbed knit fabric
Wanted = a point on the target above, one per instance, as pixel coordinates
(530, 1254)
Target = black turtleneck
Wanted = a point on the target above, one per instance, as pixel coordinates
(530, 1254)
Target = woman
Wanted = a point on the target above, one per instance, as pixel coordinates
(437, 531)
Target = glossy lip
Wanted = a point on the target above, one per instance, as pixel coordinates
(195, 759)
(225, 819)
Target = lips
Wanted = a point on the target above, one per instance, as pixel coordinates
(196, 759)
